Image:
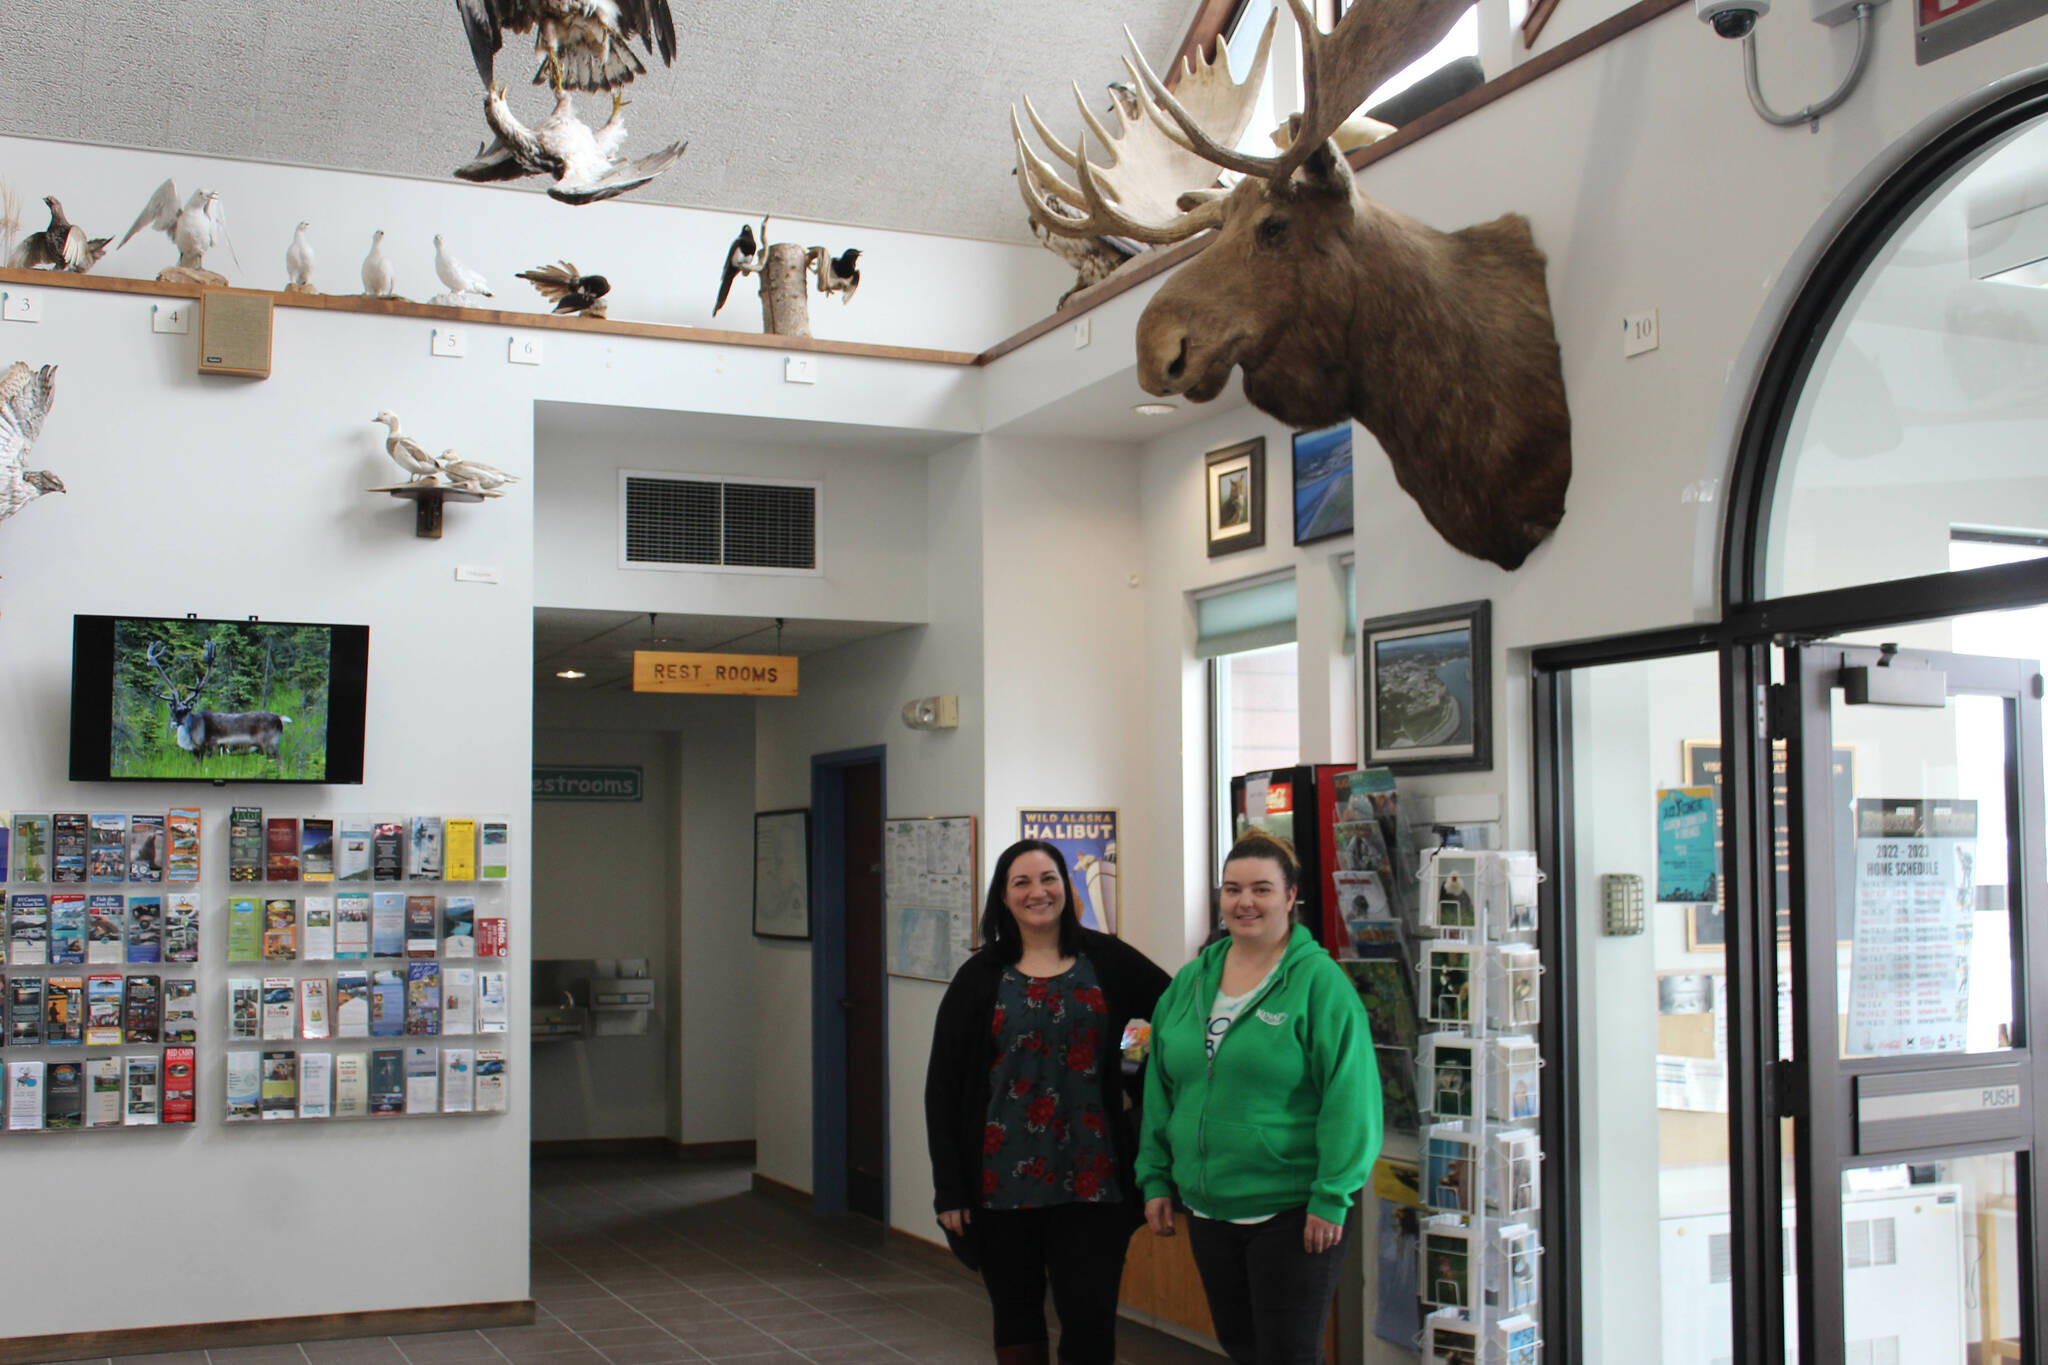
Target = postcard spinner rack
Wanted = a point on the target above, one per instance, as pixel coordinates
(1480, 1067)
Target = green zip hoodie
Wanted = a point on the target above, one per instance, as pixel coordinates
(1287, 1114)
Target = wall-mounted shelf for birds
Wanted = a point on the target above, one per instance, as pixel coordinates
(427, 500)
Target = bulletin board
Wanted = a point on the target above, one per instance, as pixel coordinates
(930, 895)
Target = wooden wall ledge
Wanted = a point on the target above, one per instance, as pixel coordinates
(474, 317)
(1154, 263)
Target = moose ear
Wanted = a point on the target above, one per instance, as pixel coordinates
(1326, 171)
(1194, 199)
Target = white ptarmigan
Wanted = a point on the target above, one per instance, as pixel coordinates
(459, 278)
(379, 279)
(298, 259)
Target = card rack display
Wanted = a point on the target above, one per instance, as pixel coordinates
(114, 930)
(1478, 1080)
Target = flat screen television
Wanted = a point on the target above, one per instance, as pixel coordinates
(172, 699)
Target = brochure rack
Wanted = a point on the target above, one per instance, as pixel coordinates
(1479, 1074)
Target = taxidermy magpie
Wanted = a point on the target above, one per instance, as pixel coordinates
(740, 256)
(837, 274)
(570, 290)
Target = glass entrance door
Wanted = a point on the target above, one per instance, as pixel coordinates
(1916, 865)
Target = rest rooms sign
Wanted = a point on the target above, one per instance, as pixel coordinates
(741, 675)
(586, 784)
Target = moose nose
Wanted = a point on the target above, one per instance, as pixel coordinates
(1163, 360)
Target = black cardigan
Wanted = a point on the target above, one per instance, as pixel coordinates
(956, 1082)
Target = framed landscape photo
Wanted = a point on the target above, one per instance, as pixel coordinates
(1428, 690)
(1322, 483)
(1235, 478)
(782, 874)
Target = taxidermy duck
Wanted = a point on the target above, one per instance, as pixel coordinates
(25, 398)
(585, 166)
(62, 245)
(474, 475)
(407, 453)
(194, 229)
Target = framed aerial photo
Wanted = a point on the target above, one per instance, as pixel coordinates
(1235, 477)
(1322, 483)
(782, 874)
(1428, 690)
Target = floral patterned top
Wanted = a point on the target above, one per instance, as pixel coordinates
(1047, 1140)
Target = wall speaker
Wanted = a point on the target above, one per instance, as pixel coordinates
(234, 334)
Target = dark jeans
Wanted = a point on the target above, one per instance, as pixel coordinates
(1080, 1249)
(1268, 1296)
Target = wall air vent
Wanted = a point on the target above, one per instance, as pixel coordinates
(720, 524)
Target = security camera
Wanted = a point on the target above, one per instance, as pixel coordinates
(1732, 18)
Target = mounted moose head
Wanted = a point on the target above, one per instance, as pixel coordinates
(1334, 305)
(204, 733)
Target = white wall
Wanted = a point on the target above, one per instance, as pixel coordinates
(871, 545)
(853, 698)
(229, 498)
(663, 262)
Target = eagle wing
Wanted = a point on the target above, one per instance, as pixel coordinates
(495, 162)
(161, 212)
(651, 22)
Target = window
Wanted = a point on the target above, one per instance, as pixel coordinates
(1247, 633)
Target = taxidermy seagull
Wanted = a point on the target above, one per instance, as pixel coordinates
(298, 260)
(836, 274)
(743, 255)
(25, 398)
(583, 44)
(585, 166)
(62, 245)
(194, 229)
(459, 278)
(379, 279)
(474, 476)
(407, 453)
(570, 290)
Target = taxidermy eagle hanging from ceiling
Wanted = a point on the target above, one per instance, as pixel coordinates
(1334, 305)
(583, 45)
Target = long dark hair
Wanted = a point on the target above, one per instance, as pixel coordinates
(999, 935)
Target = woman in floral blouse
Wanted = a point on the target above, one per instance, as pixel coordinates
(1024, 1111)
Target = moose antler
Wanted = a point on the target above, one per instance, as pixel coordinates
(1374, 40)
(1152, 163)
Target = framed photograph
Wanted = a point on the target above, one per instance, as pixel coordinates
(1322, 483)
(1706, 925)
(782, 874)
(1236, 481)
(1428, 690)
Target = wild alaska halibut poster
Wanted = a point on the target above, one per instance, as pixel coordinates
(1087, 839)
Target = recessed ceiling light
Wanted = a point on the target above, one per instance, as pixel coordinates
(1153, 409)
(569, 673)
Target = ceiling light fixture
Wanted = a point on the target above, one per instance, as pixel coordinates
(570, 673)
(1154, 409)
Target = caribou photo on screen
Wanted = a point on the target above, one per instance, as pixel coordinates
(215, 700)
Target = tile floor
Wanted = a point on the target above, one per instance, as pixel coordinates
(647, 1262)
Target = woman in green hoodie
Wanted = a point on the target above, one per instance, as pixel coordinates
(1262, 1107)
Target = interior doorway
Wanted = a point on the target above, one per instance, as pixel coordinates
(850, 1041)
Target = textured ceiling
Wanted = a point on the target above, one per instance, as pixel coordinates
(875, 113)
